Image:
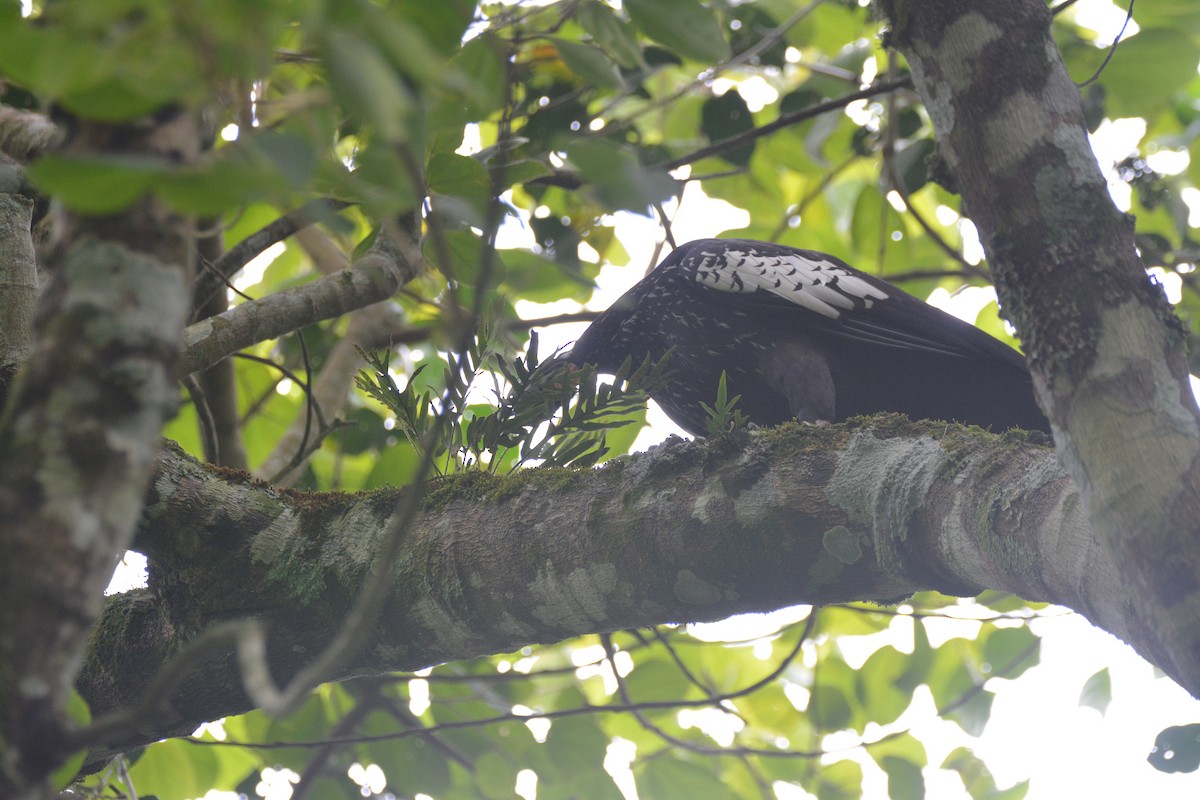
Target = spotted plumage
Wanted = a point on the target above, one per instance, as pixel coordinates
(802, 335)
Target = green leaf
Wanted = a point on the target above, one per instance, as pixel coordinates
(611, 34)
(1011, 651)
(535, 278)
(671, 779)
(293, 157)
(839, 781)
(589, 63)
(830, 709)
(621, 182)
(726, 116)
(576, 747)
(878, 687)
(368, 86)
(973, 715)
(239, 174)
(978, 779)
(460, 176)
(442, 24)
(685, 26)
(1097, 691)
(95, 185)
(407, 47)
(654, 681)
(479, 60)
(174, 770)
(79, 713)
(1146, 69)
(115, 100)
(905, 780)
(1177, 749)
(496, 776)
(911, 163)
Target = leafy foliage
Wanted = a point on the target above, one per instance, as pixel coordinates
(564, 118)
(558, 417)
(723, 415)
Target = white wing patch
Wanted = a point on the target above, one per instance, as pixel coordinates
(817, 285)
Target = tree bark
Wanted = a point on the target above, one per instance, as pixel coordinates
(1106, 351)
(689, 531)
(78, 438)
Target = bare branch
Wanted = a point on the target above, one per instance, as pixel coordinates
(391, 262)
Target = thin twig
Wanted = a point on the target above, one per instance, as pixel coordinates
(586, 708)
(1112, 49)
(893, 177)
(706, 77)
(786, 120)
(220, 273)
(572, 180)
(208, 426)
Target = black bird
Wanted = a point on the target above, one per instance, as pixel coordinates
(803, 335)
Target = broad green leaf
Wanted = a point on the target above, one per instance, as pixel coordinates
(839, 781)
(175, 770)
(830, 709)
(589, 63)
(442, 24)
(460, 176)
(911, 164)
(655, 680)
(538, 279)
(978, 779)
(905, 780)
(610, 33)
(368, 85)
(671, 779)
(479, 60)
(293, 156)
(617, 177)
(973, 715)
(684, 26)
(1147, 68)
(1010, 651)
(576, 748)
(95, 185)
(726, 116)
(882, 698)
(496, 776)
(1097, 691)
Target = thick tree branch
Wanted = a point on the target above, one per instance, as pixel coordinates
(1107, 353)
(78, 438)
(689, 531)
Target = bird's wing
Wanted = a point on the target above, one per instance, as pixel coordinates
(836, 299)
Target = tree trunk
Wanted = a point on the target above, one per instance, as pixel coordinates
(1107, 352)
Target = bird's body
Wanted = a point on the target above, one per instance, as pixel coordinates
(802, 335)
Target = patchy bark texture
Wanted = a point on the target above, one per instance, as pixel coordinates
(77, 444)
(689, 531)
(79, 434)
(1105, 349)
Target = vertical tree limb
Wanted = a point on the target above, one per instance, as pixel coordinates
(1106, 351)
